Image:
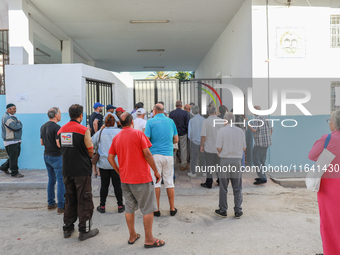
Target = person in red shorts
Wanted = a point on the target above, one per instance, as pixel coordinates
(135, 159)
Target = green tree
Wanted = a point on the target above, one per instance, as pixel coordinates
(184, 75)
(161, 75)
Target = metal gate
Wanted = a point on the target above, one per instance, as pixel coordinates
(191, 90)
(97, 91)
(152, 91)
(170, 90)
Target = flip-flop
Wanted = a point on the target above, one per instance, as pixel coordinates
(155, 244)
(138, 236)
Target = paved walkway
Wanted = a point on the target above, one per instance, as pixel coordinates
(38, 179)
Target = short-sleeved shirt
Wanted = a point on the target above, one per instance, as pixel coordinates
(232, 141)
(161, 131)
(139, 124)
(263, 134)
(181, 119)
(94, 116)
(128, 145)
(210, 132)
(48, 134)
(74, 140)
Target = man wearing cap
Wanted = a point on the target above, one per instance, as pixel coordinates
(139, 123)
(110, 110)
(119, 111)
(134, 113)
(96, 118)
(11, 134)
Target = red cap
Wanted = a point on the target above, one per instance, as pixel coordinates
(120, 109)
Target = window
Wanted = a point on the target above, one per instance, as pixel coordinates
(4, 58)
(335, 31)
(335, 96)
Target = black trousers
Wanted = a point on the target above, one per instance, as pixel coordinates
(78, 202)
(13, 152)
(105, 176)
(211, 159)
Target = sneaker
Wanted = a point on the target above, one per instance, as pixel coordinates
(18, 175)
(121, 209)
(60, 211)
(221, 214)
(260, 182)
(52, 207)
(67, 234)
(238, 215)
(6, 171)
(101, 209)
(183, 168)
(87, 235)
(191, 174)
(204, 185)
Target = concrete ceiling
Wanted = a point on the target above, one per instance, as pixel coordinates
(102, 28)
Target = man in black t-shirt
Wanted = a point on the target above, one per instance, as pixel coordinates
(96, 118)
(53, 160)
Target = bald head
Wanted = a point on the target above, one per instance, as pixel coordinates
(179, 104)
(159, 108)
(187, 107)
(126, 119)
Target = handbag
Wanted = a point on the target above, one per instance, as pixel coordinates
(96, 155)
(313, 178)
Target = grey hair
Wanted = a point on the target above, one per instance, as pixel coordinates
(195, 109)
(229, 116)
(212, 110)
(336, 119)
(52, 112)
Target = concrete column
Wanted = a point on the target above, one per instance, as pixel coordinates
(67, 53)
(21, 50)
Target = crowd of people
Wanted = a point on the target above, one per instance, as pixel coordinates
(137, 155)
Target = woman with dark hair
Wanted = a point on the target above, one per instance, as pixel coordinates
(103, 140)
(329, 192)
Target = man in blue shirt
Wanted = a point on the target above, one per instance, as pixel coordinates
(162, 133)
(181, 119)
(194, 133)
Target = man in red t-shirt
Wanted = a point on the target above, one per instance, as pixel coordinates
(135, 159)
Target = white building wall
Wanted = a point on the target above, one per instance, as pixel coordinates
(40, 87)
(230, 57)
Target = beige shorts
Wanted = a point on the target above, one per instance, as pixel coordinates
(165, 167)
(139, 195)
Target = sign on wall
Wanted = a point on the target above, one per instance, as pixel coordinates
(291, 42)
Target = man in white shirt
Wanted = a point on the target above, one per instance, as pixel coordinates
(134, 114)
(230, 143)
(208, 145)
(140, 123)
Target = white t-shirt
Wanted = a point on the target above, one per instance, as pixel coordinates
(139, 124)
(232, 141)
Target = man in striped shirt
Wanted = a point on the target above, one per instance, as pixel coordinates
(262, 133)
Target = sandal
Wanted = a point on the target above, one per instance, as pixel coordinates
(156, 244)
(138, 236)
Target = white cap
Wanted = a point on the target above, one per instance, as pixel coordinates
(140, 111)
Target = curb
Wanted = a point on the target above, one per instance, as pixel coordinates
(290, 183)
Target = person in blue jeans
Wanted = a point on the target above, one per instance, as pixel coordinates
(53, 160)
